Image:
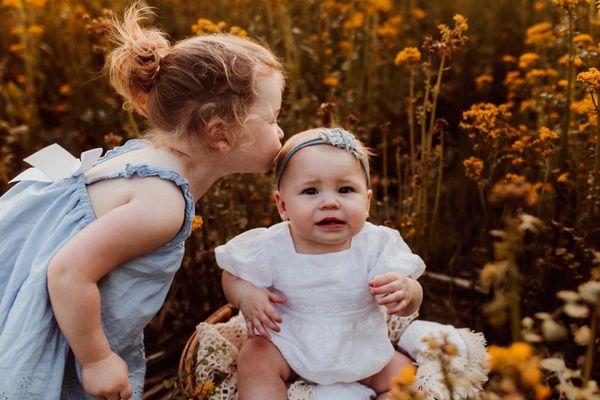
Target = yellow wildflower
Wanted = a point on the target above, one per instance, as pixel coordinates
(567, 4)
(204, 25)
(391, 27)
(356, 21)
(37, 3)
(531, 375)
(18, 4)
(197, 222)
(507, 58)
(64, 89)
(406, 376)
(418, 13)
(331, 81)
(590, 78)
(542, 392)
(236, 30)
(408, 55)
(35, 30)
(540, 34)
(583, 106)
(577, 61)
(527, 60)
(546, 134)
(460, 23)
(379, 5)
(17, 48)
(16, 30)
(483, 81)
(539, 5)
(204, 390)
(583, 38)
(473, 167)
(562, 178)
(520, 351)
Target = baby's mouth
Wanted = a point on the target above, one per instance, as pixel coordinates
(331, 221)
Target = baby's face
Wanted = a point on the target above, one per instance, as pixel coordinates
(324, 195)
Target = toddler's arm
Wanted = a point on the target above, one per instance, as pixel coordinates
(255, 304)
(148, 220)
(401, 295)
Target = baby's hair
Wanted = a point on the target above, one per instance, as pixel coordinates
(181, 88)
(303, 136)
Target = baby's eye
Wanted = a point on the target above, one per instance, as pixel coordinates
(310, 191)
(346, 189)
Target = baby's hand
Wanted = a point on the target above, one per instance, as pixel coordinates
(259, 313)
(396, 289)
(107, 378)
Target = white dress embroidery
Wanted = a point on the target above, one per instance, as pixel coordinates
(333, 330)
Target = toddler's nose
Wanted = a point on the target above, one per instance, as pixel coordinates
(330, 202)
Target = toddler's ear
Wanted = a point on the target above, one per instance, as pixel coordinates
(369, 197)
(280, 206)
(216, 135)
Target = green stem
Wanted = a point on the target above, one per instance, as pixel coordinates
(567, 123)
(411, 121)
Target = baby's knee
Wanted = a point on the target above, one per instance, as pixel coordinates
(259, 354)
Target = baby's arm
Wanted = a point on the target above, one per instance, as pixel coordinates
(255, 304)
(406, 293)
(149, 219)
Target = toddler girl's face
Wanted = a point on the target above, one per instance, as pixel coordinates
(262, 126)
(324, 195)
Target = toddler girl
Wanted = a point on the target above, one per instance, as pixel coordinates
(328, 272)
(88, 249)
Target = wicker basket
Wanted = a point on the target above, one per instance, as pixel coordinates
(187, 362)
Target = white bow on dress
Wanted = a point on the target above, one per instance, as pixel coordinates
(53, 163)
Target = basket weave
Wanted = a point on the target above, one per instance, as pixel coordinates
(187, 361)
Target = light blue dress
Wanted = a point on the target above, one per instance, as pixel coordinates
(36, 219)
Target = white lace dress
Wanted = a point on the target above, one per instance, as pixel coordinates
(333, 330)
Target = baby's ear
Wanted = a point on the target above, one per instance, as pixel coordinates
(369, 197)
(280, 206)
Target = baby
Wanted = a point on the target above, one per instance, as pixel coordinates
(325, 275)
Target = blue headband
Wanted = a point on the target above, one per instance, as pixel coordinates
(334, 137)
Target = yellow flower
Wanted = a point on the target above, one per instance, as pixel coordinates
(520, 351)
(236, 30)
(590, 78)
(507, 58)
(542, 392)
(35, 30)
(546, 134)
(331, 81)
(37, 3)
(562, 178)
(408, 55)
(473, 167)
(391, 27)
(540, 34)
(197, 223)
(18, 4)
(204, 390)
(379, 5)
(460, 23)
(204, 25)
(64, 89)
(583, 38)
(567, 4)
(527, 60)
(17, 48)
(531, 375)
(483, 81)
(418, 13)
(356, 21)
(406, 376)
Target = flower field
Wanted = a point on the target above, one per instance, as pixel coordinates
(484, 117)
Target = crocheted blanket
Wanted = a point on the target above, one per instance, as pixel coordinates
(220, 343)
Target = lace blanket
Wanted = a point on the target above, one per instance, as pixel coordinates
(220, 343)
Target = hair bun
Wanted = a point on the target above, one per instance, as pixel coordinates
(134, 63)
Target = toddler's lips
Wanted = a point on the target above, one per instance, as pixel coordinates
(331, 223)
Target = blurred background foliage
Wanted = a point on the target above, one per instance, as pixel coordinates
(483, 115)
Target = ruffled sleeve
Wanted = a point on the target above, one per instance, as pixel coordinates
(394, 255)
(245, 257)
